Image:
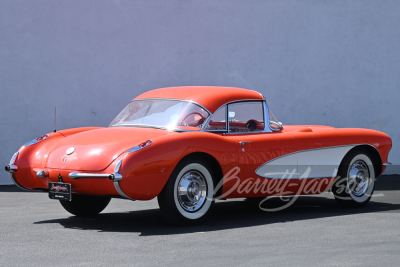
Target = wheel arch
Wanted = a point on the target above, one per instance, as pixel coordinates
(372, 152)
(214, 164)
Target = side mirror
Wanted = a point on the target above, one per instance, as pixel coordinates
(278, 125)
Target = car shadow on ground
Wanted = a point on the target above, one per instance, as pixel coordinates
(235, 213)
(225, 215)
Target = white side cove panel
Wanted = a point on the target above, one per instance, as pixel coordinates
(315, 163)
(284, 167)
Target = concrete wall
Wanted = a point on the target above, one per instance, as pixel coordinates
(318, 62)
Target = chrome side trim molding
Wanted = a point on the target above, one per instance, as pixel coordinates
(77, 175)
(387, 164)
(300, 168)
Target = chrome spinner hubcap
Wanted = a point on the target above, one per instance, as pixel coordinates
(358, 178)
(192, 191)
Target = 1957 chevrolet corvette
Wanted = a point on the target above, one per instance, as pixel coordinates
(188, 145)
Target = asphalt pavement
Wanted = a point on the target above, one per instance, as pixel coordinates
(37, 231)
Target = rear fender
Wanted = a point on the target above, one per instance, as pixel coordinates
(35, 156)
(147, 171)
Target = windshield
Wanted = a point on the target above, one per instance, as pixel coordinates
(164, 113)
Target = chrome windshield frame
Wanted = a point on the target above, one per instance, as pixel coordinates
(174, 99)
(210, 117)
(267, 129)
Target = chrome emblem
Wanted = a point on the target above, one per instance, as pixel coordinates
(70, 150)
(65, 159)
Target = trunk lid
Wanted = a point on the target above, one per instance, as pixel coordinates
(95, 150)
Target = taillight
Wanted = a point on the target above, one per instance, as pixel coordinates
(144, 144)
(37, 140)
(42, 137)
(140, 146)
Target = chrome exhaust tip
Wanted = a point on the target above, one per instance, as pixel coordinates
(115, 177)
(11, 168)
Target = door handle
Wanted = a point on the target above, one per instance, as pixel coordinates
(244, 142)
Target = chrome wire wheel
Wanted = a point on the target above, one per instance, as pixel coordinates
(358, 178)
(192, 191)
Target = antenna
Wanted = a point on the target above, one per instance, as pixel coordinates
(55, 115)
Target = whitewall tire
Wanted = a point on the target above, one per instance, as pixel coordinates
(355, 183)
(187, 197)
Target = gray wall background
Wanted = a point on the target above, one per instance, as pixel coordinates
(318, 62)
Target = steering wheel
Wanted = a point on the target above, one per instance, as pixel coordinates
(251, 125)
(183, 123)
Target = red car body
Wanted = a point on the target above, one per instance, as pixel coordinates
(146, 171)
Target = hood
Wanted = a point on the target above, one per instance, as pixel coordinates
(95, 150)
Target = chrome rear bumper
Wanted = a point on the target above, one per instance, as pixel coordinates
(115, 177)
(77, 175)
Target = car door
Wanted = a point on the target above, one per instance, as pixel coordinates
(258, 146)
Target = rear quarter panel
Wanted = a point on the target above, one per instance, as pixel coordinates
(146, 171)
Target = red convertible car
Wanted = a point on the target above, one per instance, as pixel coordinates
(189, 145)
